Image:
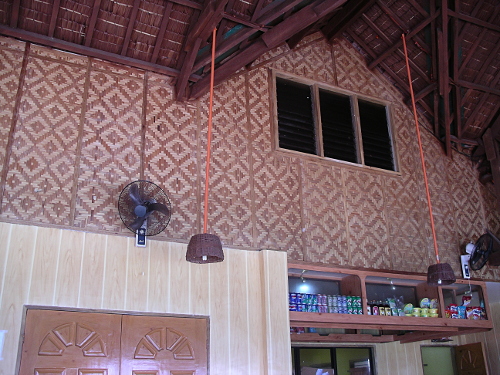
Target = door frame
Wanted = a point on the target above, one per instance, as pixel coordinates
(103, 311)
(452, 349)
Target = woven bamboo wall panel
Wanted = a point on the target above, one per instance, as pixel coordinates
(259, 111)
(324, 214)
(352, 74)
(230, 203)
(277, 204)
(171, 155)
(366, 219)
(39, 183)
(10, 70)
(86, 128)
(111, 149)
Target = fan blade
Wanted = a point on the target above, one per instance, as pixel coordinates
(137, 223)
(134, 194)
(160, 207)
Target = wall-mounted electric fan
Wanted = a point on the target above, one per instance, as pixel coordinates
(144, 204)
(486, 248)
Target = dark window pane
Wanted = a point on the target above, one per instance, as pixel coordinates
(295, 117)
(339, 140)
(377, 145)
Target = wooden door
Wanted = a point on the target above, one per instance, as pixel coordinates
(71, 343)
(470, 359)
(77, 343)
(156, 345)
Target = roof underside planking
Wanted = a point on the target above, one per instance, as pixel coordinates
(453, 47)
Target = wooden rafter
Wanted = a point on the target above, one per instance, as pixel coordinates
(92, 23)
(53, 17)
(398, 43)
(161, 32)
(345, 17)
(268, 16)
(269, 40)
(130, 27)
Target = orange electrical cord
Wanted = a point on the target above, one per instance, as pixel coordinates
(433, 227)
(209, 140)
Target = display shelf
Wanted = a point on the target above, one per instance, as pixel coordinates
(353, 327)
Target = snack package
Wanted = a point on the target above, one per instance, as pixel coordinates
(433, 304)
(391, 302)
(453, 308)
(461, 312)
(424, 303)
(466, 300)
(473, 312)
(408, 309)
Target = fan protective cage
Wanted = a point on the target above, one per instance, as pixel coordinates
(148, 191)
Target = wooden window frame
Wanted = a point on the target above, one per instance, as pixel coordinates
(316, 112)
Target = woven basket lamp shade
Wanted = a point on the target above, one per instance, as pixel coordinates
(440, 274)
(204, 248)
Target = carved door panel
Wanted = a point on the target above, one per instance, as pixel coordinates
(470, 359)
(153, 345)
(71, 343)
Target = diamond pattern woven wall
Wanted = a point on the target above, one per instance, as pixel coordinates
(39, 184)
(111, 146)
(11, 58)
(86, 128)
(171, 155)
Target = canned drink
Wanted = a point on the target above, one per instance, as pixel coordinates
(359, 310)
(358, 302)
(324, 300)
(375, 310)
(293, 307)
(349, 301)
(301, 330)
(292, 297)
(368, 310)
(344, 301)
(349, 310)
(299, 298)
(329, 300)
(335, 300)
(388, 311)
(314, 298)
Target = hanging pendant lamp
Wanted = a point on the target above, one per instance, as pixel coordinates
(206, 247)
(439, 273)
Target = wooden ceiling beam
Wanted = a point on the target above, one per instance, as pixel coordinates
(444, 75)
(209, 18)
(269, 40)
(382, 35)
(227, 44)
(161, 32)
(92, 22)
(257, 10)
(478, 87)
(345, 17)
(182, 80)
(475, 21)
(394, 76)
(14, 15)
(53, 17)
(457, 99)
(477, 40)
(88, 51)
(130, 28)
(398, 43)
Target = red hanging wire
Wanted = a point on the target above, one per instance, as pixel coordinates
(433, 227)
(209, 140)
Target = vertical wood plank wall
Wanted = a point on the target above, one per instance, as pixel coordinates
(244, 296)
